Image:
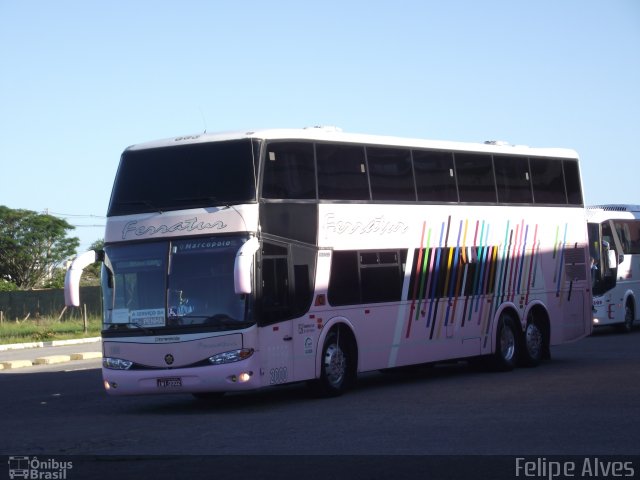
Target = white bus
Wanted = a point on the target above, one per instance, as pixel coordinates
(614, 246)
(242, 260)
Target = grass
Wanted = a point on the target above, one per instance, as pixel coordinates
(46, 329)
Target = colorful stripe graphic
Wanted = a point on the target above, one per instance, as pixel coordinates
(467, 282)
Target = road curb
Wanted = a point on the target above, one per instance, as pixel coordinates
(53, 343)
(52, 359)
(48, 360)
(12, 364)
(86, 355)
(39, 360)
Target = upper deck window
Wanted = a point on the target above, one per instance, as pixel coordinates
(390, 174)
(548, 185)
(435, 178)
(289, 171)
(572, 181)
(323, 171)
(342, 172)
(513, 179)
(184, 176)
(475, 178)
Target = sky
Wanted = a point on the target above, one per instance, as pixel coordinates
(80, 81)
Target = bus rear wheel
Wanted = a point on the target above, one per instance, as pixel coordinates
(507, 344)
(533, 347)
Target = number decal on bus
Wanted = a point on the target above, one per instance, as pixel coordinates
(278, 375)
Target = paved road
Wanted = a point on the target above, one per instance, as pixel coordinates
(10, 354)
(585, 401)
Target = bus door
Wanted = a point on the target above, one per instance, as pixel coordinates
(606, 253)
(276, 334)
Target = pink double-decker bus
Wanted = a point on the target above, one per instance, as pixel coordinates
(243, 260)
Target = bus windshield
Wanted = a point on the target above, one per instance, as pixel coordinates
(184, 176)
(184, 284)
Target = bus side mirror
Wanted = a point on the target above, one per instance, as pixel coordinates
(244, 266)
(612, 259)
(72, 277)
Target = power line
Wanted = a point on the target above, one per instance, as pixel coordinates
(75, 215)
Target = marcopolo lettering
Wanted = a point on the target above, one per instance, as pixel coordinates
(204, 245)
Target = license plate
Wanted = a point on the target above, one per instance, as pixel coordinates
(169, 382)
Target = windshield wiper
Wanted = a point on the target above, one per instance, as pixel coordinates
(144, 329)
(217, 318)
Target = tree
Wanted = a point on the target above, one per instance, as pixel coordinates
(32, 245)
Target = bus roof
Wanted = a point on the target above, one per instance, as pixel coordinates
(599, 213)
(334, 134)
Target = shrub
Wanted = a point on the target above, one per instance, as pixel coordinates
(7, 286)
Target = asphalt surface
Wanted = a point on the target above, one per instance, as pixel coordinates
(581, 405)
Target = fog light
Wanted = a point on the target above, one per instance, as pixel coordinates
(109, 385)
(245, 377)
(596, 321)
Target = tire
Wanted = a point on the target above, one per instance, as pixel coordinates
(533, 344)
(337, 370)
(507, 344)
(627, 326)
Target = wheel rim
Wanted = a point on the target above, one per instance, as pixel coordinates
(507, 343)
(533, 340)
(335, 366)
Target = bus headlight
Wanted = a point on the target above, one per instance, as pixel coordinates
(116, 363)
(231, 356)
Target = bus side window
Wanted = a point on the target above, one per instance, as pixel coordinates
(572, 181)
(435, 176)
(475, 178)
(366, 276)
(390, 174)
(289, 171)
(342, 172)
(513, 179)
(548, 185)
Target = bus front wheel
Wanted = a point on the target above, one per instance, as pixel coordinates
(627, 325)
(337, 366)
